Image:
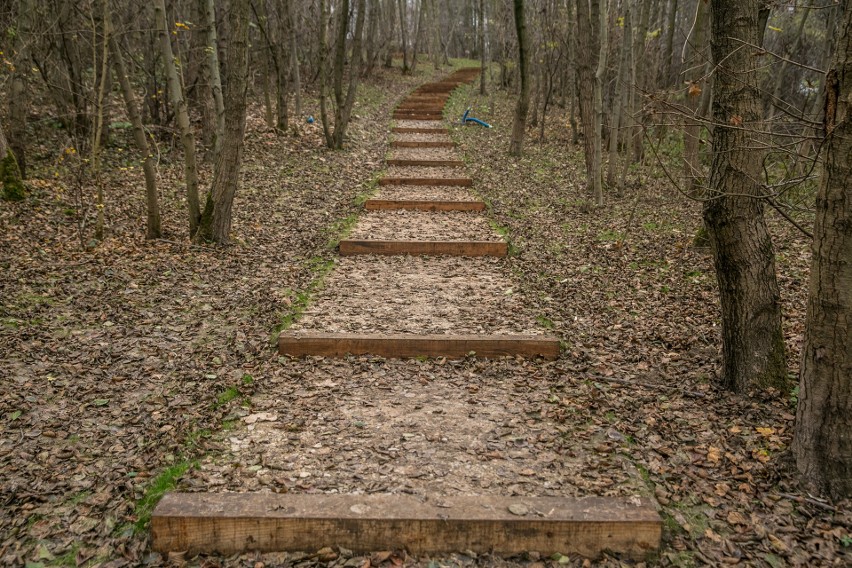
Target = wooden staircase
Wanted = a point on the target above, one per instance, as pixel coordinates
(230, 523)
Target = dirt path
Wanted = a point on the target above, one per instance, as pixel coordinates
(429, 428)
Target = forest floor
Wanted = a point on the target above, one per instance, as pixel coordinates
(134, 367)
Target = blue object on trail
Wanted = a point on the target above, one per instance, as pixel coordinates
(466, 119)
(310, 120)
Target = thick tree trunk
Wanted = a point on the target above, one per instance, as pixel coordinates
(587, 49)
(323, 73)
(403, 30)
(516, 145)
(152, 200)
(667, 66)
(823, 437)
(344, 105)
(215, 77)
(216, 221)
(11, 186)
(753, 345)
(182, 115)
(19, 99)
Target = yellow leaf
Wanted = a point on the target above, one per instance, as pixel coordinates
(765, 432)
(714, 454)
(735, 429)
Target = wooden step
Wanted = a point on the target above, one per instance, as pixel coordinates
(455, 182)
(406, 130)
(418, 144)
(351, 247)
(433, 163)
(406, 345)
(234, 523)
(418, 116)
(422, 205)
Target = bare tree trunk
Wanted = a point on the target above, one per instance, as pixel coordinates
(182, 116)
(403, 30)
(823, 437)
(587, 51)
(695, 66)
(19, 99)
(216, 221)
(620, 97)
(753, 345)
(667, 67)
(597, 173)
(482, 89)
(344, 106)
(294, 59)
(391, 18)
(516, 145)
(323, 73)
(12, 186)
(215, 77)
(278, 39)
(101, 64)
(152, 200)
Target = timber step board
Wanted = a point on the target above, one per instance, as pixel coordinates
(422, 144)
(433, 163)
(351, 247)
(409, 130)
(234, 523)
(422, 205)
(407, 345)
(455, 182)
(398, 116)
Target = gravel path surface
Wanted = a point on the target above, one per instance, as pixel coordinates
(420, 137)
(425, 172)
(423, 226)
(405, 294)
(402, 123)
(426, 193)
(424, 154)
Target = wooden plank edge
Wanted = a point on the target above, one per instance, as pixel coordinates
(422, 205)
(407, 130)
(423, 144)
(351, 247)
(233, 523)
(455, 182)
(425, 163)
(407, 345)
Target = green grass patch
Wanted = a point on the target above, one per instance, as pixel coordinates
(545, 322)
(610, 235)
(226, 396)
(158, 487)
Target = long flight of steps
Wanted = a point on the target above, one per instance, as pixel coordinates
(425, 183)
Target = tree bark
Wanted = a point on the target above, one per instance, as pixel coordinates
(215, 77)
(823, 434)
(516, 145)
(753, 345)
(697, 44)
(216, 221)
(597, 173)
(19, 99)
(403, 30)
(344, 105)
(152, 200)
(482, 66)
(586, 51)
(620, 97)
(182, 115)
(323, 73)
